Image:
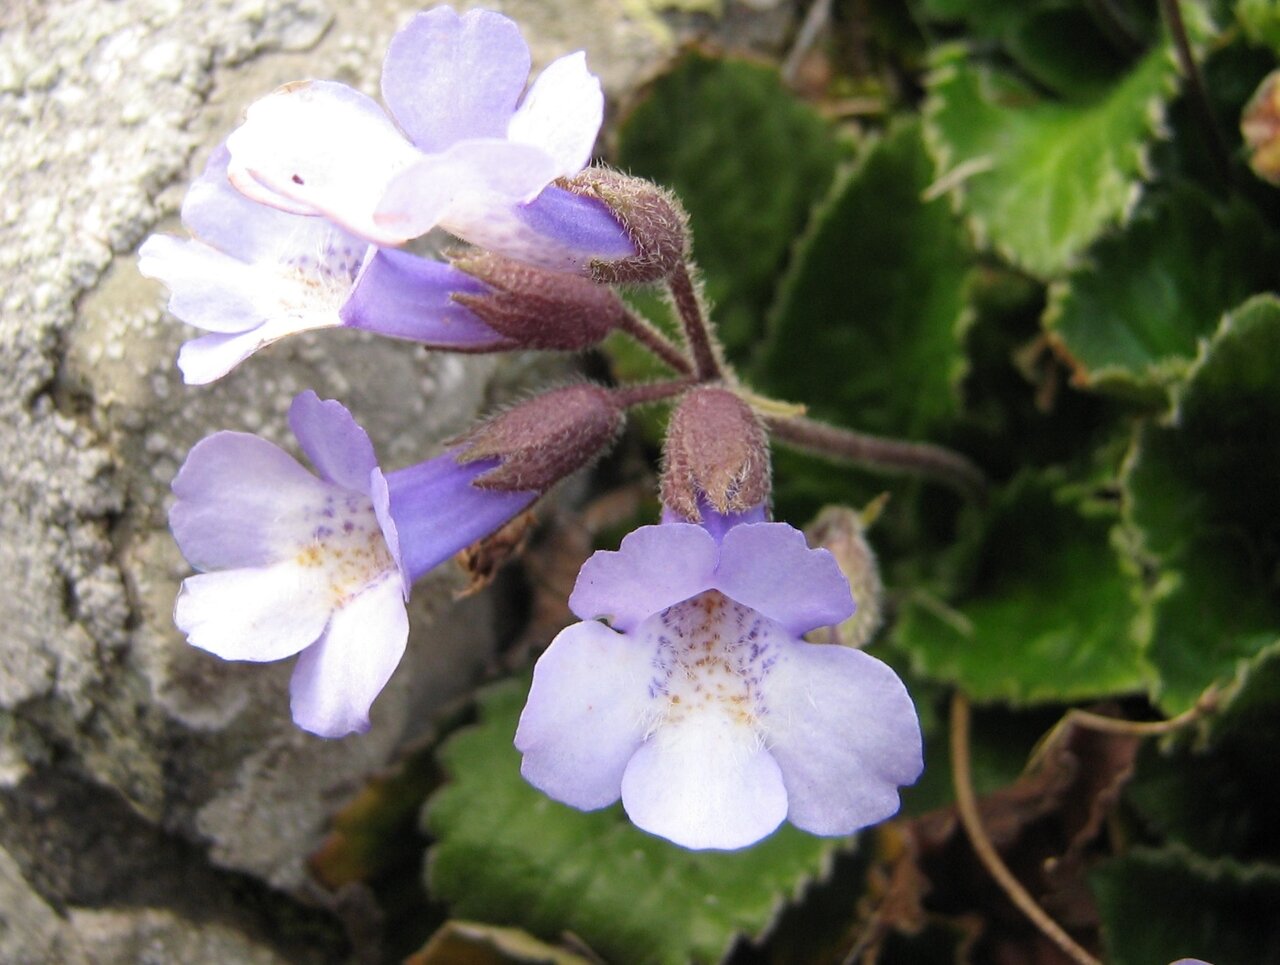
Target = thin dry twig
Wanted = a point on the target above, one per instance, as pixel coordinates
(967, 805)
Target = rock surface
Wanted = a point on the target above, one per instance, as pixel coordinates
(157, 805)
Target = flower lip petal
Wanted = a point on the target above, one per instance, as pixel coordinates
(770, 568)
(845, 734)
(380, 494)
(562, 113)
(238, 502)
(337, 678)
(655, 567)
(706, 783)
(322, 148)
(470, 176)
(447, 78)
(585, 715)
(254, 613)
(334, 442)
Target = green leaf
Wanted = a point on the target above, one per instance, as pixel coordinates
(1260, 21)
(1218, 795)
(1161, 905)
(1131, 318)
(868, 322)
(1049, 617)
(748, 160)
(1200, 509)
(1039, 180)
(505, 853)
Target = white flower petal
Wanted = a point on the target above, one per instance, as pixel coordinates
(243, 502)
(586, 715)
(845, 734)
(462, 183)
(258, 613)
(337, 679)
(655, 567)
(323, 148)
(562, 113)
(705, 783)
(209, 289)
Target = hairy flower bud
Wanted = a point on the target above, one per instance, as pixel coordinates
(843, 532)
(717, 451)
(541, 440)
(1260, 128)
(653, 218)
(537, 308)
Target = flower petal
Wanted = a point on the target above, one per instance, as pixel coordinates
(242, 502)
(845, 734)
(333, 441)
(585, 715)
(705, 783)
(558, 230)
(207, 288)
(222, 217)
(654, 567)
(447, 78)
(405, 296)
(562, 113)
(437, 511)
(463, 182)
(321, 148)
(770, 568)
(208, 358)
(337, 679)
(259, 613)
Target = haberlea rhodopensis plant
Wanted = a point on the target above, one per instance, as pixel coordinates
(1031, 290)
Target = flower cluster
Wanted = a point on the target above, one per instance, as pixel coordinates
(688, 691)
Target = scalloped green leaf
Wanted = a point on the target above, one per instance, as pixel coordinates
(505, 853)
(1218, 794)
(1050, 615)
(1260, 21)
(1162, 905)
(1200, 509)
(869, 319)
(1039, 180)
(748, 160)
(1131, 318)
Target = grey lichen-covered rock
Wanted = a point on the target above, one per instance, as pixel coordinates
(156, 804)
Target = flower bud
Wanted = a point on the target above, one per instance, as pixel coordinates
(842, 531)
(538, 308)
(717, 451)
(653, 218)
(1260, 128)
(541, 440)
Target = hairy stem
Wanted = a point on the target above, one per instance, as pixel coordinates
(684, 296)
(876, 452)
(644, 332)
(652, 391)
(967, 805)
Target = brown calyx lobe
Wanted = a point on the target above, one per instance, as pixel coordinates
(541, 440)
(716, 450)
(538, 308)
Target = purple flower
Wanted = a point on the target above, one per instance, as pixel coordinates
(253, 274)
(469, 153)
(700, 706)
(291, 563)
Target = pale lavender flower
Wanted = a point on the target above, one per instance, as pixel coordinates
(294, 563)
(462, 148)
(252, 275)
(699, 704)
